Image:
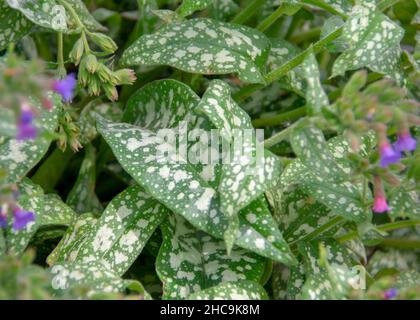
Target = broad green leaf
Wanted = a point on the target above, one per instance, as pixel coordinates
(188, 7)
(304, 79)
(328, 276)
(403, 203)
(240, 290)
(18, 157)
(373, 41)
(84, 15)
(218, 105)
(407, 280)
(187, 189)
(123, 230)
(13, 26)
(49, 211)
(94, 276)
(45, 13)
(203, 46)
(244, 177)
(190, 261)
(86, 121)
(223, 10)
(70, 244)
(7, 123)
(300, 215)
(82, 197)
(180, 188)
(344, 199)
(401, 260)
(311, 148)
(330, 25)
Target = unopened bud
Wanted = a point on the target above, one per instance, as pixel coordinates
(110, 91)
(77, 52)
(125, 76)
(91, 63)
(104, 42)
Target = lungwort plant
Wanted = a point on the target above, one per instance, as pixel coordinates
(226, 149)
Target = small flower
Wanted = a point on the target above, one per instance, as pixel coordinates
(380, 205)
(66, 87)
(3, 218)
(388, 155)
(391, 293)
(405, 142)
(25, 127)
(21, 218)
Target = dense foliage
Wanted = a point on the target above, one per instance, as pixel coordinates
(111, 188)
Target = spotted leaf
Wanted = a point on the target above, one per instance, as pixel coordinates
(122, 231)
(311, 148)
(203, 46)
(72, 240)
(18, 157)
(13, 25)
(373, 41)
(93, 276)
(304, 79)
(188, 7)
(82, 197)
(84, 15)
(45, 13)
(240, 290)
(190, 261)
(403, 203)
(49, 210)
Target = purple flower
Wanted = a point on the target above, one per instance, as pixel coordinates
(380, 205)
(26, 128)
(22, 218)
(405, 142)
(3, 220)
(66, 87)
(388, 155)
(391, 293)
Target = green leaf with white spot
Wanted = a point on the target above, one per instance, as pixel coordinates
(94, 276)
(373, 41)
(72, 240)
(403, 203)
(122, 231)
(45, 13)
(304, 79)
(251, 170)
(84, 15)
(18, 157)
(82, 197)
(13, 25)
(49, 210)
(204, 46)
(240, 290)
(310, 146)
(223, 112)
(190, 261)
(328, 271)
(188, 7)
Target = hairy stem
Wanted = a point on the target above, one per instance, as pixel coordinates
(248, 11)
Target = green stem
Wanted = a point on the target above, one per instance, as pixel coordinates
(248, 11)
(277, 138)
(267, 22)
(305, 35)
(384, 227)
(60, 56)
(400, 243)
(296, 61)
(310, 236)
(280, 118)
(325, 6)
